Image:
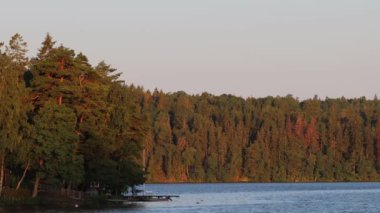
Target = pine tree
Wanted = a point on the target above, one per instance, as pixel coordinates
(12, 103)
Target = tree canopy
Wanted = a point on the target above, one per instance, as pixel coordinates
(204, 137)
(67, 124)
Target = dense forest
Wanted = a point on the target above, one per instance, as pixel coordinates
(273, 139)
(68, 124)
(64, 123)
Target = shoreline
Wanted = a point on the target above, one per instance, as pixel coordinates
(249, 182)
(61, 203)
(96, 203)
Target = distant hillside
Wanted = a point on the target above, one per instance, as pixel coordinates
(226, 138)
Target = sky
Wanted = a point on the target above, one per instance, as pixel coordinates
(248, 48)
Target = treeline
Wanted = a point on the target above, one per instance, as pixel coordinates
(65, 123)
(274, 139)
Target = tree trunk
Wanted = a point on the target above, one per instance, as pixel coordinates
(69, 189)
(2, 174)
(63, 189)
(62, 64)
(36, 186)
(23, 175)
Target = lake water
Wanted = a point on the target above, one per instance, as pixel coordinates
(272, 197)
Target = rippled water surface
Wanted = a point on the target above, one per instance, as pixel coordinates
(273, 197)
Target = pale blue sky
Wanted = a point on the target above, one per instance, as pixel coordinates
(242, 47)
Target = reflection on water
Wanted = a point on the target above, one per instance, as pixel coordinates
(297, 197)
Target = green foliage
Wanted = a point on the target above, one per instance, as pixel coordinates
(65, 124)
(55, 147)
(226, 138)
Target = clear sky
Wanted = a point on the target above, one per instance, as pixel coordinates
(241, 47)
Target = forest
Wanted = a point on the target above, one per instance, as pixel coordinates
(65, 123)
(207, 138)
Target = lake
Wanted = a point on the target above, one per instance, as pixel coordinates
(264, 197)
